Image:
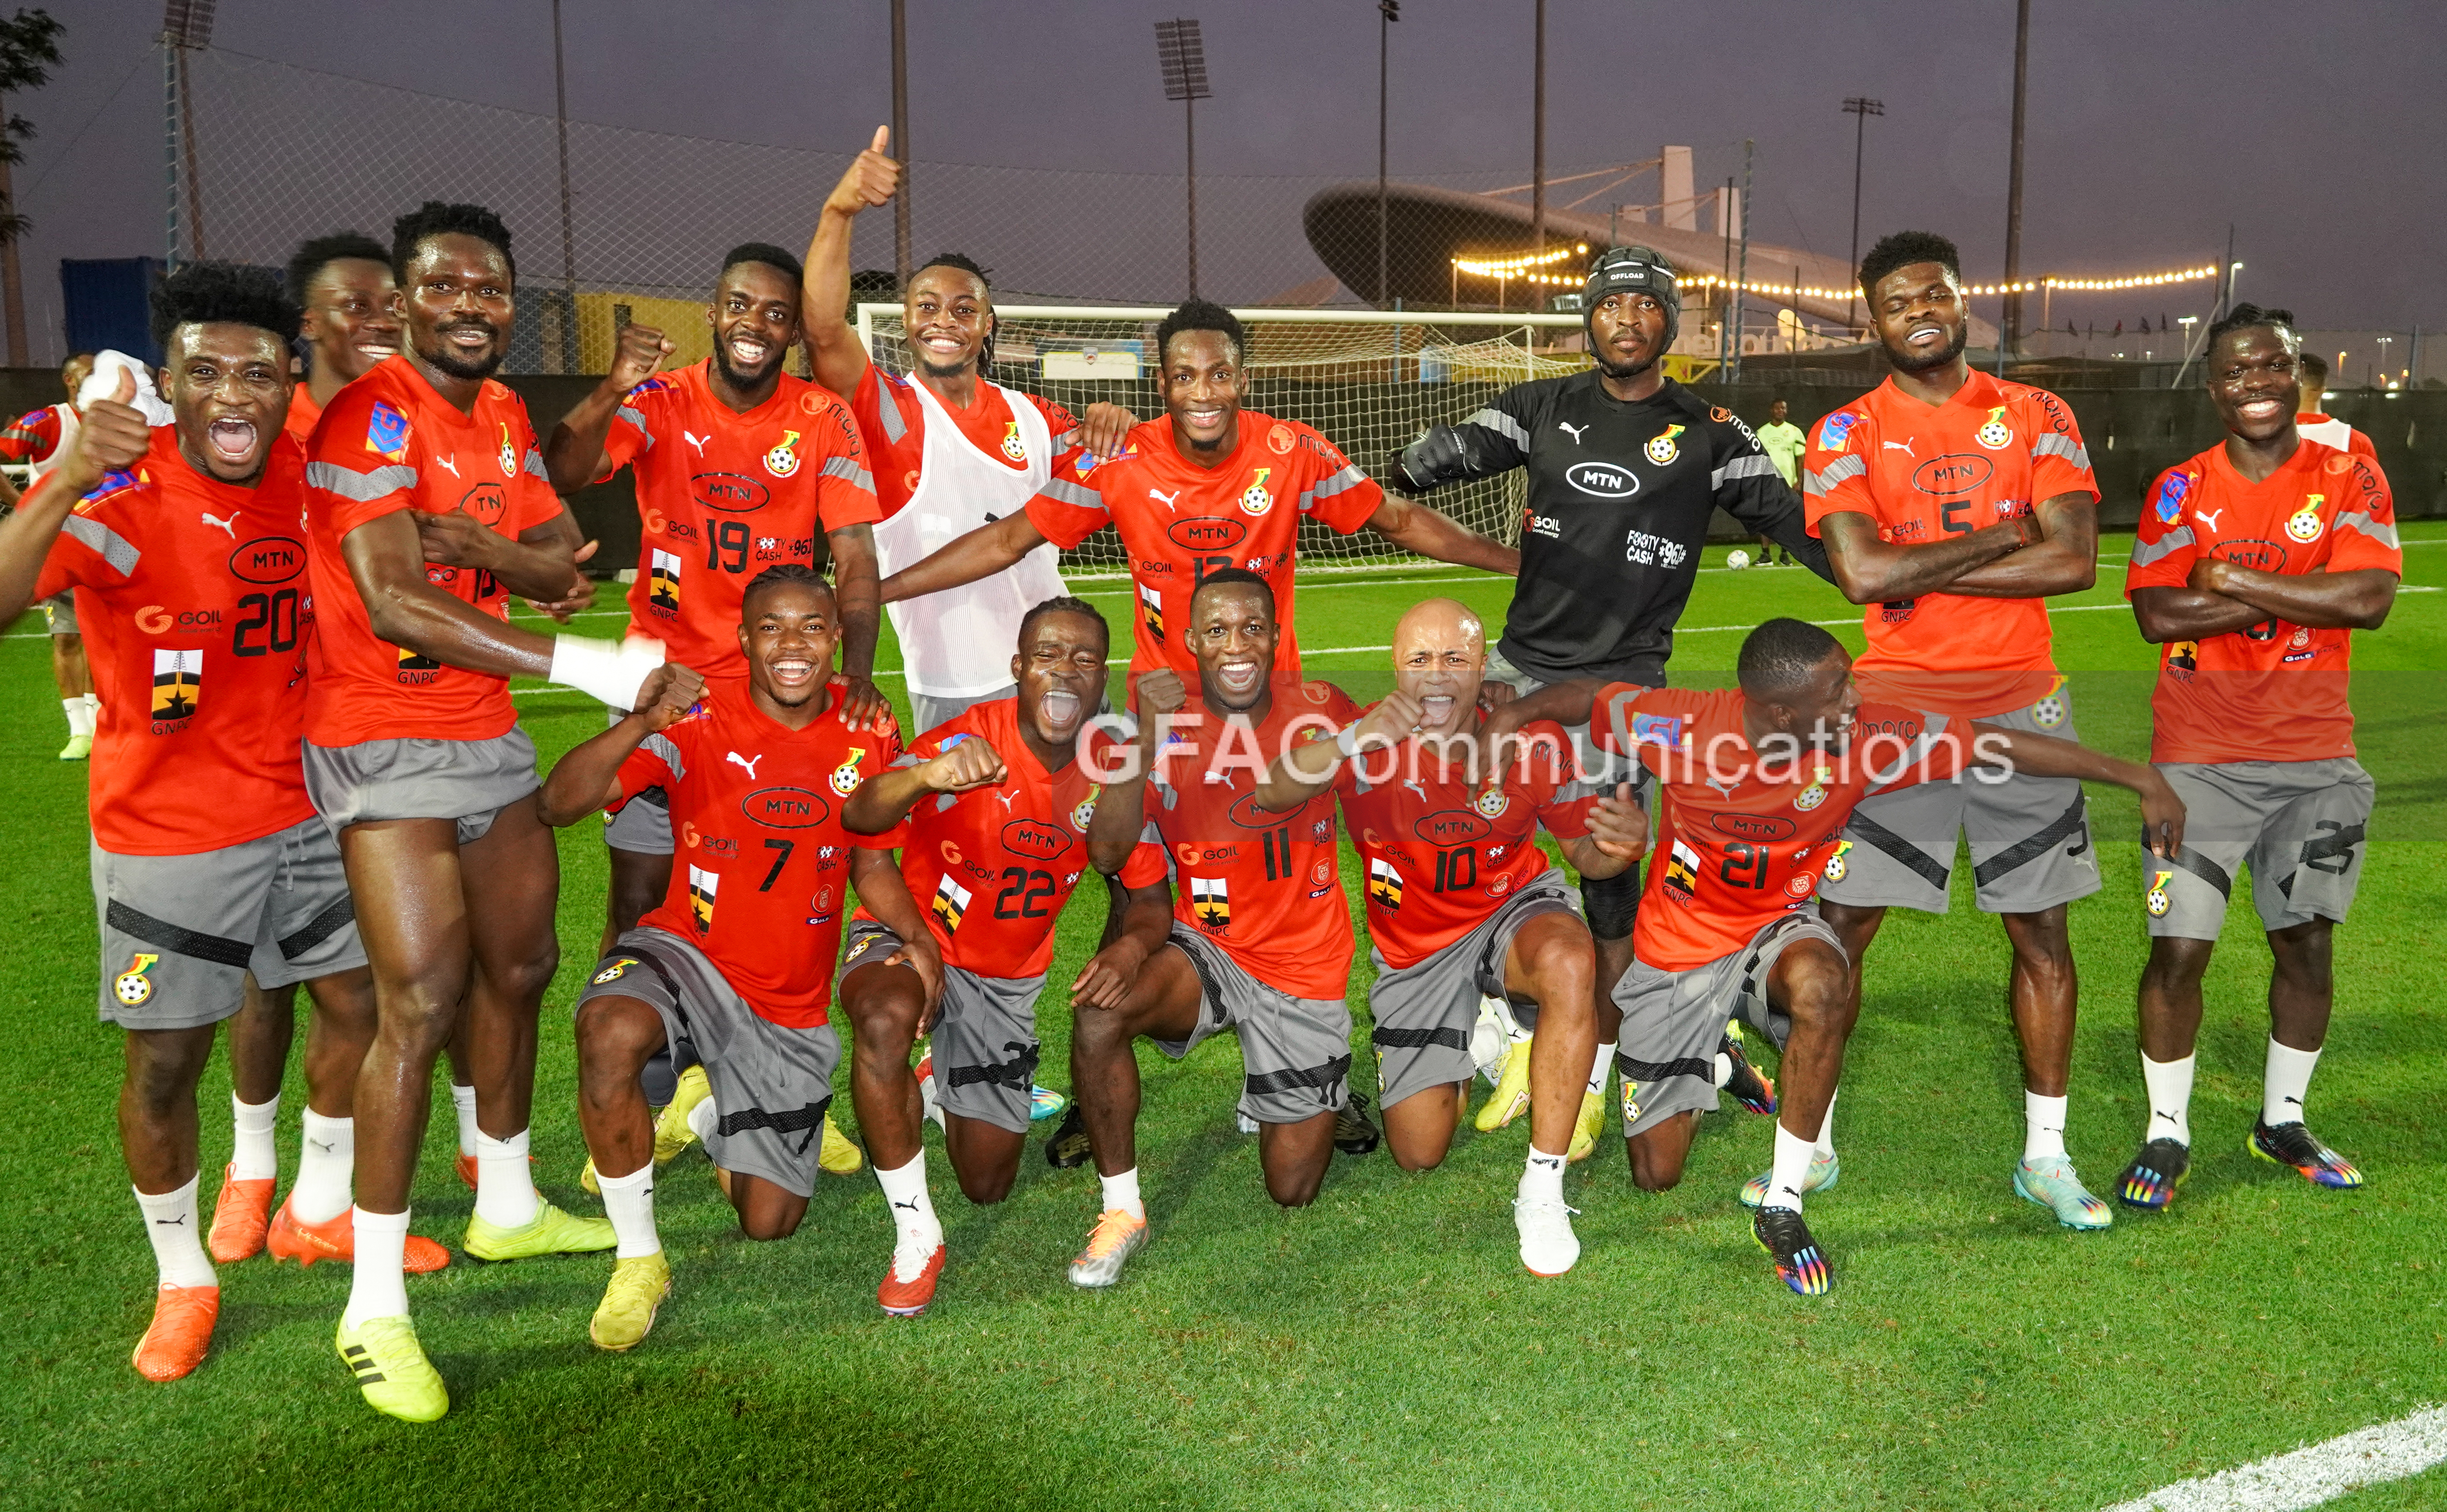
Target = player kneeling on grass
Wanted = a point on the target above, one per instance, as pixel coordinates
(1755, 786)
(208, 858)
(1261, 938)
(2255, 562)
(992, 809)
(1462, 903)
(734, 972)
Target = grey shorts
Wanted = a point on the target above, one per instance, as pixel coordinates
(644, 823)
(771, 1084)
(2300, 825)
(2029, 836)
(929, 710)
(1672, 1021)
(985, 1039)
(470, 781)
(59, 614)
(1294, 1051)
(180, 933)
(1425, 1012)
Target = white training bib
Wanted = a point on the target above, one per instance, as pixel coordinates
(958, 644)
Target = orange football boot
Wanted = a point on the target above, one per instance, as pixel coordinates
(181, 1333)
(239, 1218)
(290, 1239)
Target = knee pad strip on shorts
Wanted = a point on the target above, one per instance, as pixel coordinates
(1612, 902)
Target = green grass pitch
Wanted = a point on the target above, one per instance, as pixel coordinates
(1382, 1347)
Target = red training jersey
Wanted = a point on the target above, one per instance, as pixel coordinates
(1738, 840)
(1263, 884)
(34, 436)
(992, 867)
(1442, 856)
(387, 443)
(761, 870)
(197, 619)
(893, 422)
(1179, 521)
(723, 495)
(2275, 692)
(2330, 432)
(304, 414)
(1922, 472)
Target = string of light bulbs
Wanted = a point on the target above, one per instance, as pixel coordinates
(1523, 268)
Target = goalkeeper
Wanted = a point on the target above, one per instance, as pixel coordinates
(1626, 468)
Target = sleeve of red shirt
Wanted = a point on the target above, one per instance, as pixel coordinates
(1602, 714)
(1941, 751)
(876, 759)
(2164, 549)
(651, 765)
(1333, 491)
(632, 433)
(1059, 422)
(345, 473)
(31, 436)
(1565, 817)
(534, 503)
(845, 488)
(1835, 468)
(2364, 533)
(2059, 463)
(1071, 508)
(80, 555)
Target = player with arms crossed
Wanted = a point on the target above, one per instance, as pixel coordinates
(1210, 485)
(426, 508)
(2256, 563)
(40, 440)
(208, 860)
(1624, 468)
(1755, 786)
(734, 970)
(739, 466)
(1463, 904)
(991, 810)
(1952, 504)
(1261, 938)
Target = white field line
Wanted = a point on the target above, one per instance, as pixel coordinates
(2308, 1476)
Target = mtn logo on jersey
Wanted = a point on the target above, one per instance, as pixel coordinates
(845, 778)
(1662, 449)
(1681, 873)
(1996, 435)
(178, 685)
(782, 462)
(2171, 496)
(1210, 900)
(950, 905)
(2303, 525)
(1384, 884)
(703, 885)
(1012, 447)
(663, 590)
(132, 987)
(387, 433)
(1152, 606)
(1254, 498)
(1601, 480)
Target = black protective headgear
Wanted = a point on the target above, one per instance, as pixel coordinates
(1618, 269)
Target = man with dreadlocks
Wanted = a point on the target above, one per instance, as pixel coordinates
(1626, 468)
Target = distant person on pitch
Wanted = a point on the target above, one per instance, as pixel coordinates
(38, 439)
(2311, 425)
(1784, 442)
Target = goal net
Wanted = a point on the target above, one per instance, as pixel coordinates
(1372, 381)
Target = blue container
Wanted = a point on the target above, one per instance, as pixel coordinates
(108, 300)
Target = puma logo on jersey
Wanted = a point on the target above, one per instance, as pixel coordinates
(228, 527)
(2208, 517)
(693, 440)
(1166, 500)
(749, 766)
(445, 462)
(1417, 786)
(1725, 787)
(1006, 798)
(1904, 447)
(1573, 430)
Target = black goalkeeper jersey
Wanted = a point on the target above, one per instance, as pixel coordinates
(1620, 496)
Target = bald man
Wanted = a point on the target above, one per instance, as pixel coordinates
(1463, 903)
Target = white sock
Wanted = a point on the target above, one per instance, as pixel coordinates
(629, 1202)
(2170, 1086)
(464, 1099)
(255, 1157)
(505, 1194)
(913, 1212)
(79, 712)
(702, 1120)
(2044, 1127)
(2287, 1079)
(1542, 1177)
(1792, 1172)
(1123, 1192)
(171, 1223)
(1824, 1145)
(1600, 1069)
(326, 1159)
(378, 1281)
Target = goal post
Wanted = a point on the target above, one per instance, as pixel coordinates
(1370, 381)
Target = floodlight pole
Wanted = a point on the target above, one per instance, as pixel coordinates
(1388, 12)
(1538, 142)
(1182, 57)
(1189, 130)
(1860, 107)
(568, 241)
(900, 139)
(2011, 336)
(1742, 275)
(169, 152)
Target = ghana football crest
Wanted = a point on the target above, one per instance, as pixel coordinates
(1254, 498)
(613, 971)
(2156, 900)
(1815, 793)
(178, 685)
(134, 986)
(845, 778)
(1493, 803)
(1662, 449)
(1836, 865)
(1012, 447)
(2303, 525)
(1086, 811)
(508, 456)
(783, 459)
(1996, 434)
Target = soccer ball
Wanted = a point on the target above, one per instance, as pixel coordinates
(1737, 560)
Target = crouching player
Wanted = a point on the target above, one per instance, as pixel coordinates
(1261, 938)
(1463, 904)
(1756, 784)
(2256, 562)
(992, 809)
(733, 970)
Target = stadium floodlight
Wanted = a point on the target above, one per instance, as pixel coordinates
(1861, 108)
(188, 23)
(1183, 56)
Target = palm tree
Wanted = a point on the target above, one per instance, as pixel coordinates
(28, 50)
